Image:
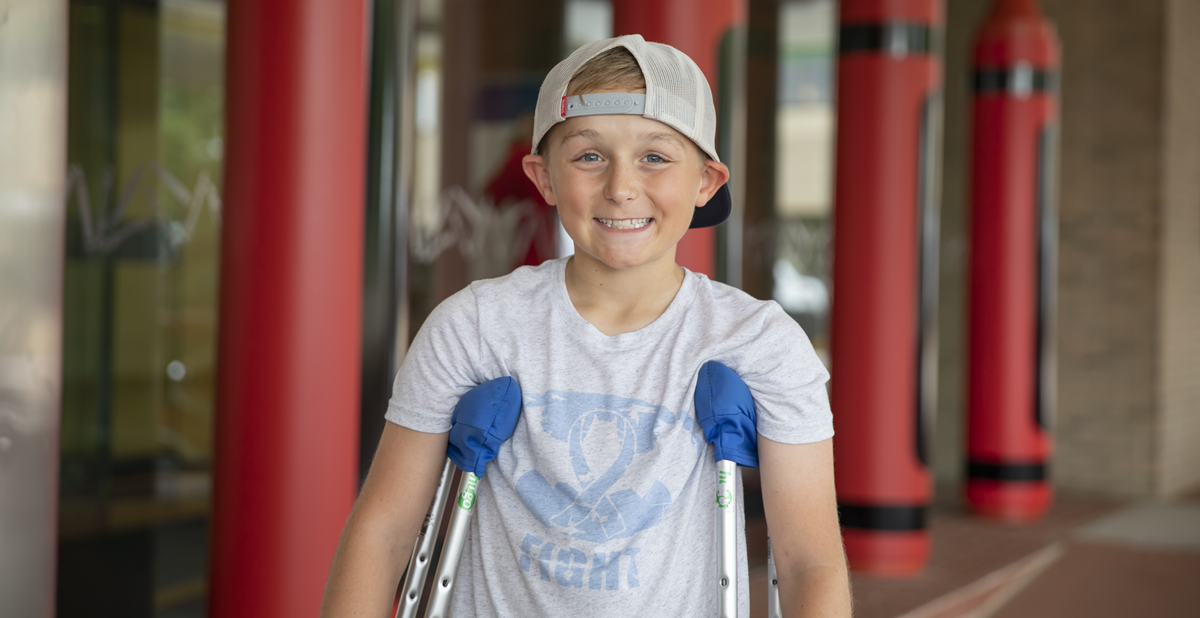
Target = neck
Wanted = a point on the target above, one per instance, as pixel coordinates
(618, 301)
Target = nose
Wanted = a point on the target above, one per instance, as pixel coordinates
(622, 182)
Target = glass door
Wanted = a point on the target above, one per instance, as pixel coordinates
(140, 305)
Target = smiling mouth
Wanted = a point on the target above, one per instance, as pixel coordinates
(625, 224)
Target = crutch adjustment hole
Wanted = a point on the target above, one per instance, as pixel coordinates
(774, 582)
(446, 583)
(412, 596)
(421, 559)
(724, 582)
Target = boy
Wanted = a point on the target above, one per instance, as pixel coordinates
(600, 503)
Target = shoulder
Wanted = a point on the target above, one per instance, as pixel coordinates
(520, 283)
(500, 308)
(460, 309)
(730, 297)
(478, 296)
(727, 309)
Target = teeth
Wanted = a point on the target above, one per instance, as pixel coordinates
(625, 224)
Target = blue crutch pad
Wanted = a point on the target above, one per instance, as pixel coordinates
(725, 409)
(483, 419)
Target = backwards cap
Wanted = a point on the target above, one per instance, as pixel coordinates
(677, 95)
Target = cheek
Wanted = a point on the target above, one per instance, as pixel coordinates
(573, 191)
(571, 203)
(681, 189)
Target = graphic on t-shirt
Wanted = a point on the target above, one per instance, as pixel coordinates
(607, 570)
(605, 434)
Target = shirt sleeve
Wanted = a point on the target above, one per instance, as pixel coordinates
(787, 380)
(441, 365)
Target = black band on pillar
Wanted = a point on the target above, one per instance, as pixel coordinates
(891, 38)
(1018, 80)
(893, 518)
(1005, 472)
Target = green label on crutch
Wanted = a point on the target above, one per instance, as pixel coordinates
(724, 498)
(466, 499)
(722, 477)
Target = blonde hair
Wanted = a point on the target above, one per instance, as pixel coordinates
(615, 70)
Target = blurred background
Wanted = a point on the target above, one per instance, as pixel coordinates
(115, 150)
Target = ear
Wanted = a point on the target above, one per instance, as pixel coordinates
(535, 169)
(714, 175)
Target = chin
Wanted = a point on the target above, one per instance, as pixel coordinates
(618, 263)
(626, 262)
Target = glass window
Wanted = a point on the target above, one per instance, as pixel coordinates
(804, 164)
(140, 305)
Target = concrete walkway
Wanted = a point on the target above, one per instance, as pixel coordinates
(1088, 557)
(1143, 560)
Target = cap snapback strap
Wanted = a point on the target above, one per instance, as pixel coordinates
(603, 103)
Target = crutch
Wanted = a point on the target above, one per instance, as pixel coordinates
(773, 610)
(735, 435)
(727, 415)
(418, 565)
(484, 418)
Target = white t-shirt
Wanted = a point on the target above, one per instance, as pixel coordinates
(601, 504)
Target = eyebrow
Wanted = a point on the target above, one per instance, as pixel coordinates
(654, 136)
(588, 133)
(661, 137)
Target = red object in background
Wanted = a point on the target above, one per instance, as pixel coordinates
(286, 454)
(539, 224)
(883, 322)
(696, 28)
(1013, 245)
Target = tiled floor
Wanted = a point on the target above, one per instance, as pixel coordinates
(1143, 560)
(1111, 581)
(965, 550)
(1088, 557)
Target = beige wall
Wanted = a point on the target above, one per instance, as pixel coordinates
(1108, 253)
(1178, 457)
(1129, 254)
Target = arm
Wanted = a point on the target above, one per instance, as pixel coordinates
(379, 535)
(798, 494)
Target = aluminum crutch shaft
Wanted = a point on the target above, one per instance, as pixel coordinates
(418, 565)
(456, 538)
(773, 610)
(727, 507)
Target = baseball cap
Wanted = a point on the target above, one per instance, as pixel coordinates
(677, 95)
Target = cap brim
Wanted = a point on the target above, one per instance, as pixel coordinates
(716, 211)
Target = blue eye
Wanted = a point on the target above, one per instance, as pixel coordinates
(590, 157)
(653, 158)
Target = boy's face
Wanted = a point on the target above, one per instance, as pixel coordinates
(625, 186)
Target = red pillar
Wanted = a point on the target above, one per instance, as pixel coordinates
(291, 278)
(883, 323)
(694, 27)
(1013, 243)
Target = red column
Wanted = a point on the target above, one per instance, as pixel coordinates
(291, 288)
(1013, 237)
(694, 27)
(883, 322)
